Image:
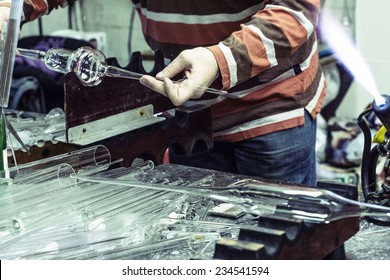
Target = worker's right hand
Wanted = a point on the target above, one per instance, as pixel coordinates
(198, 68)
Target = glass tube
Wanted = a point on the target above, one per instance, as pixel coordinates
(141, 170)
(259, 198)
(91, 156)
(27, 193)
(55, 242)
(89, 65)
(104, 214)
(311, 204)
(136, 172)
(137, 251)
(45, 175)
(106, 223)
(33, 205)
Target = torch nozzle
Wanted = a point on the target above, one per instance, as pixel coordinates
(382, 110)
(380, 101)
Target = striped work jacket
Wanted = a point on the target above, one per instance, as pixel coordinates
(266, 52)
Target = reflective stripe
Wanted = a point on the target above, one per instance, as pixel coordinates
(299, 16)
(288, 74)
(268, 44)
(198, 19)
(313, 103)
(262, 122)
(232, 65)
(47, 7)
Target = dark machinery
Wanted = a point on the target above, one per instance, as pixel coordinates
(376, 188)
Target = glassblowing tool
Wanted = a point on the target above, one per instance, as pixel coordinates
(9, 36)
(89, 65)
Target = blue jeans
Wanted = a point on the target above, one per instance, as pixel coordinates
(287, 155)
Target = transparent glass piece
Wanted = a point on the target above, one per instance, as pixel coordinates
(259, 198)
(88, 64)
(89, 157)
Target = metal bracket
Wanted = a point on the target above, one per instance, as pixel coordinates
(94, 131)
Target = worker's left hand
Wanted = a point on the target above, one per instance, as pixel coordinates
(199, 69)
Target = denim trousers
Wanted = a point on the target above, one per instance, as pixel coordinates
(287, 156)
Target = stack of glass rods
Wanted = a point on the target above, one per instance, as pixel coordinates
(48, 213)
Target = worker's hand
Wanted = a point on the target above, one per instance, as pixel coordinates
(199, 69)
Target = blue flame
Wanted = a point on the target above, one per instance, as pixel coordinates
(346, 51)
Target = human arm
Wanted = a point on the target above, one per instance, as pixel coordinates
(269, 42)
(277, 36)
(32, 9)
(35, 8)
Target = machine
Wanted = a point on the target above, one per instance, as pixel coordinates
(375, 160)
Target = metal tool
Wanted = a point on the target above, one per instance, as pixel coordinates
(8, 41)
(9, 37)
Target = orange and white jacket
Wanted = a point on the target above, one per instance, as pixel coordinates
(266, 52)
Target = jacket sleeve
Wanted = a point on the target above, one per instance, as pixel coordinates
(5, 3)
(35, 8)
(272, 35)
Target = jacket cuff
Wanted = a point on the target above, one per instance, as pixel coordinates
(224, 77)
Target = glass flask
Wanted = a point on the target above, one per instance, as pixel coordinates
(88, 64)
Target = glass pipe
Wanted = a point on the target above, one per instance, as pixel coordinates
(104, 214)
(145, 249)
(35, 131)
(55, 242)
(88, 64)
(94, 156)
(260, 198)
(32, 189)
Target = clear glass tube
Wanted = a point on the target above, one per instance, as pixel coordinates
(141, 170)
(44, 175)
(259, 198)
(89, 65)
(136, 172)
(34, 204)
(43, 214)
(131, 202)
(147, 248)
(27, 191)
(97, 155)
(57, 60)
(56, 242)
(139, 215)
